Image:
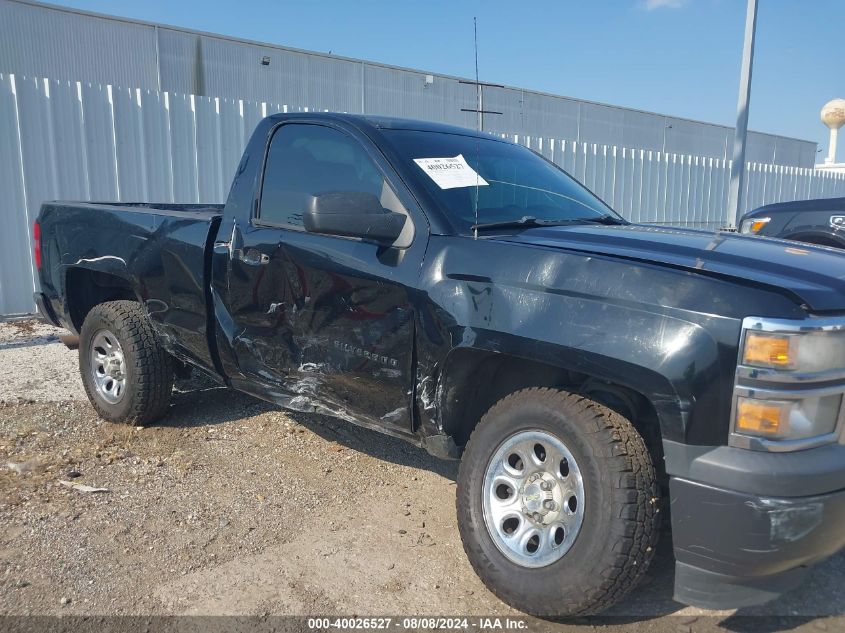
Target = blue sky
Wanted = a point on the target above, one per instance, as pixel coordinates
(678, 57)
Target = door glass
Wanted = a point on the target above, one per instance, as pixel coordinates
(309, 160)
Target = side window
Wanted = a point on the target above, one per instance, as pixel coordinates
(309, 160)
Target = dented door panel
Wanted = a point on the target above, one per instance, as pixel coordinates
(326, 322)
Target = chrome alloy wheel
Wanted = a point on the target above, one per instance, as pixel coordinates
(108, 366)
(533, 498)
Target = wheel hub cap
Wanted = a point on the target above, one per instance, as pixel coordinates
(107, 366)
(533, 500)
(538, 496)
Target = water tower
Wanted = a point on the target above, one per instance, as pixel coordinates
(833, 116)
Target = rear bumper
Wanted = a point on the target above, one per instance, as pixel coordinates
(739, 548)
(44, 309)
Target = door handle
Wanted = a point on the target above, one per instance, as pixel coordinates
(252, 257)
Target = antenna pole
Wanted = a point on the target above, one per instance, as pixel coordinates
(480, 122)
(478, 93)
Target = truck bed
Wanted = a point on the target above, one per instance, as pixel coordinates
(161, 252)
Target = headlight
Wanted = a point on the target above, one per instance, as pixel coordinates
(810, 352)
(788, 419)
(753, 225)
(768, 350)
(790, 383)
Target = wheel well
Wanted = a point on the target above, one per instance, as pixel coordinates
(475, 380)
(86, 288)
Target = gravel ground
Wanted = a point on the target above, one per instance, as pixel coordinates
(36, 366)
(230, 506)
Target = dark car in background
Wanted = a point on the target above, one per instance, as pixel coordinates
(820, 222)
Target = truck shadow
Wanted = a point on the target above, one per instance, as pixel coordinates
(819, 597)
(33, 342)
(200, 402)
(375, 444)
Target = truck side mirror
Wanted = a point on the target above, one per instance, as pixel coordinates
(352, 214)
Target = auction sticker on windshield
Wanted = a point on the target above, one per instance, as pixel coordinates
(450, 173)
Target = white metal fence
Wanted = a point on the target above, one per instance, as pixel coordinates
(663, 188)
(72, 140)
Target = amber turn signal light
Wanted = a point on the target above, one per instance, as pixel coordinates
(760, 417)
(756, 225)
(767, 350)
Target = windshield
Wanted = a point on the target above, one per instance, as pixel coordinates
(512, 182)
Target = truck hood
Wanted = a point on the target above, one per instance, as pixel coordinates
(814, 276)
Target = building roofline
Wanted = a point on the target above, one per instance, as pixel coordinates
(301, 51)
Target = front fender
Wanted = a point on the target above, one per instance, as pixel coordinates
(675, 364)
(655, 330)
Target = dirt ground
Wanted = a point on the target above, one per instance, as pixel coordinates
(230, 506)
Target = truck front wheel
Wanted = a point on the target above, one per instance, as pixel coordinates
(127, 374)
(557, 503)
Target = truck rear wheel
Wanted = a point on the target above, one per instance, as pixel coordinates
(557, 503)
(127, 374)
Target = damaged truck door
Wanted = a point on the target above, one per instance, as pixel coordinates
(318, 280)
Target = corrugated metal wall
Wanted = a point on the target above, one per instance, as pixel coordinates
(80, 141)
(43, 41)
(651, 187)
(40, 41)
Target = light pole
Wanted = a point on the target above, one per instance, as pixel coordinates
(740, 137)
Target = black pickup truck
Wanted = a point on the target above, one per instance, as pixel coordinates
(820, 222)
(463, 293)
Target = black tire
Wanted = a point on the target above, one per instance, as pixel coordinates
(620, 525)
(147, 366)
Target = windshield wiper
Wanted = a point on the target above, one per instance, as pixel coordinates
(601, 219)
(524, 221)
(529, 221)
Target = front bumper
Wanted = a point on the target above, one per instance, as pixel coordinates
(736, 548)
